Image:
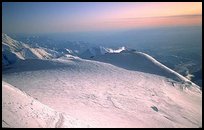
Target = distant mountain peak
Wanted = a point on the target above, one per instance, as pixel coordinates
(120, 49)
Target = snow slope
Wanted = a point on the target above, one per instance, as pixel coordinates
(104, 95)
(21, 110)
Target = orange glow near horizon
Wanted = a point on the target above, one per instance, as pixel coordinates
(147, 15)
(153, 15)
(154, 22)
(157, 9)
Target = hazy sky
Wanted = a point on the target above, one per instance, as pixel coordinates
(42, 17)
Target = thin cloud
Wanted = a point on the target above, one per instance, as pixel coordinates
(159, 17)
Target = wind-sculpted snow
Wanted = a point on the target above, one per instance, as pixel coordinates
(21, 110)
(104, 95)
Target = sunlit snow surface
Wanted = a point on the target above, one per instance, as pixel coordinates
(103, 95)
(21, 110)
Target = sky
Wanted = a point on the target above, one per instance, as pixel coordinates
(40, 17)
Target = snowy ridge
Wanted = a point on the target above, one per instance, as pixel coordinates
(94, 51)
(97, 51)
(13, 51)
(138, 61)
(117, 50)
(167, 69)
(13, 44)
